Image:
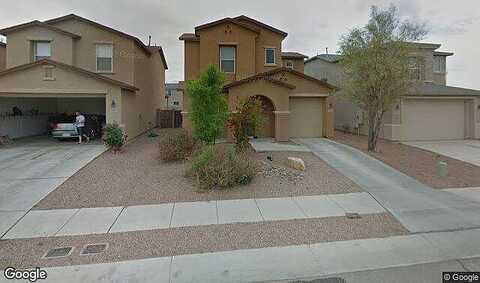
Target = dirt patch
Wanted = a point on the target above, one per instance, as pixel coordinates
(417, 163)
(137, 177)
(24, 253)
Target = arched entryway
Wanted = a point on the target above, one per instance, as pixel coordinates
(267, 130)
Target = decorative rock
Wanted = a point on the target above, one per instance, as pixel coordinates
(296, 163)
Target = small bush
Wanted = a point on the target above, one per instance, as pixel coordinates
(246, 120)
(346, 128)
(176, 146)
(114, 136)
(223, 167)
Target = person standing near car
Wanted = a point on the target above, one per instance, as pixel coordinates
(80, 124)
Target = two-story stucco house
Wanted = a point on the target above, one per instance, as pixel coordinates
(174, 95)
(250, 54)
(431, 110)
(72, 64)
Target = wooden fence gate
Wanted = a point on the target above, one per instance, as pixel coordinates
(169, 119)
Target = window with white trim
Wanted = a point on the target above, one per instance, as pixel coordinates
(104, 58)
(41, 50)
(439, 64)
(414, 68)
(270, 56)
(227, 59)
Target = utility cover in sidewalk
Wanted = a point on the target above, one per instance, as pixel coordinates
(59, 252)
(94, 249)
(324, 280)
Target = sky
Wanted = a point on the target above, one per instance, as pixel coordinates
(312, 25)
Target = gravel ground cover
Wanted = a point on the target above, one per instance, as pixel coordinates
(417, 163)
(24, 253)
(137, 177)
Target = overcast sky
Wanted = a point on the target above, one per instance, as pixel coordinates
(312, 25)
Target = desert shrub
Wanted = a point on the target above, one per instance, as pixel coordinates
(221, 166)
(114, 136)
(176, 146)
(208, 107)
(246, 120)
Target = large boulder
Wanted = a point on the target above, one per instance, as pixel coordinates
(296, 163)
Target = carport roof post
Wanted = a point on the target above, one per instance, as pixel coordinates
(72, 68)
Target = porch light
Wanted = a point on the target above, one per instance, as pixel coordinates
(113, 105)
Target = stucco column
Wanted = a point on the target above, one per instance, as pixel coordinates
(186, 122)
(281, 125)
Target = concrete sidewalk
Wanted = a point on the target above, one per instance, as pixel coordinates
(283, 263)
(418, 207)
(30, 171)
(101, 220)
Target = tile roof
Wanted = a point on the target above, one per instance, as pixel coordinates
(331, 58)
(293, 55)
(40, 24)
(431, 89)
(69, 67)
(189, 37)
(260, 24)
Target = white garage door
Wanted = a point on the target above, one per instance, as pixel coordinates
(432, 119)
(306, 117)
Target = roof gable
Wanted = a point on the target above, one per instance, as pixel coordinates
(225, 21)
(298, 74)
(254, 79)
(71, 68)
(98, 25)
(260, 24)
(5, 31)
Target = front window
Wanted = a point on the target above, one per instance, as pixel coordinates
(227, 59)
(41, 50)
(104, 58)
(270, 56)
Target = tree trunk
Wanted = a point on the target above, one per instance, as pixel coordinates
(374, 126)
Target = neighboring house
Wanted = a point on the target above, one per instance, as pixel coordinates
(431, 111)
(250, 54)
(3, 56)
(72, 64)
(174, 96)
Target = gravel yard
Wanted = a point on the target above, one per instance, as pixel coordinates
(137, 177)
(418, 163)
(200, 239)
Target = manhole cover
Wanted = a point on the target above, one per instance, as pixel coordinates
(59, 252)
(353, 215)
(94, 249)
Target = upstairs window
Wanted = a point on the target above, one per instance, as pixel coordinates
(415, 68)
(41, 50)
(439, 64)
(270, 56)
(104, 58)
(289, 64)
(227, 59)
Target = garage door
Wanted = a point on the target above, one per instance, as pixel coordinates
(433, 119)
(306, 117)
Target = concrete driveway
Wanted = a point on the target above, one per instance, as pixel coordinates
(32, 168)
(464, 150)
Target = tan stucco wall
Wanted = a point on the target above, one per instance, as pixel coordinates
(277, 94)
(298, 64)
(3, 58)
(228, 34)
(85, 51)
(19, 49)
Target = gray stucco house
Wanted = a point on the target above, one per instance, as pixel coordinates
(431, 111)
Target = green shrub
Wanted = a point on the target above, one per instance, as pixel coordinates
(222, 166)
(114, 136)
(208, 107)
(247, 119)
(176, 146)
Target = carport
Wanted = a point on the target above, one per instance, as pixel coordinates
(37, 111)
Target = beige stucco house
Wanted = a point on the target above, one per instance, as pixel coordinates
(72, 64)
(174, 95)
(432, 110)
(250, 54)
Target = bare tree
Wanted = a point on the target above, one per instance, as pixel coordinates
(375, 61)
